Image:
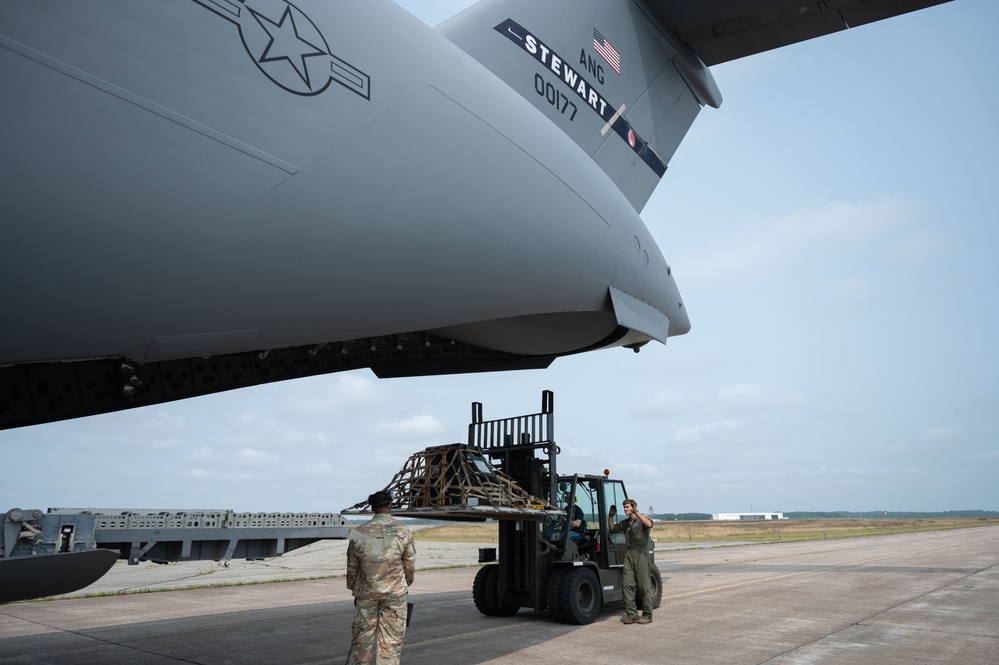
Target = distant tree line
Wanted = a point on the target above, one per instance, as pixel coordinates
(681, 517)
(897, 514)
(838, 514)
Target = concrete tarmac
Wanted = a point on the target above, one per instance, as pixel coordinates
(904, 598)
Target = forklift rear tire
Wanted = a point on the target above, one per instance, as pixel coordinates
(657, 588)
(485, 593)
(579, 596)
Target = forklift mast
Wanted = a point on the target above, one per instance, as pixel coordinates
(511, 443)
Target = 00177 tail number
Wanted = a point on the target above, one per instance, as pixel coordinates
(554, 96)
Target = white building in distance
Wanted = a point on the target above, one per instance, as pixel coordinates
(748, 516)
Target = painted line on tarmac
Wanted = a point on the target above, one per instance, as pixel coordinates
(817, 569)
(463, 636)
(412, 645)
(687, 594)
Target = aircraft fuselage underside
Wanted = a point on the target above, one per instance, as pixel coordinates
(216, 194)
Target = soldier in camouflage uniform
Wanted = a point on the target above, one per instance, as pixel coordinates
(637, 575)
(381, 560)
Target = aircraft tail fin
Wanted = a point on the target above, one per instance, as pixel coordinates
(604, 71)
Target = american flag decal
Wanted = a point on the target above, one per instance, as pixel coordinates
(606, 51)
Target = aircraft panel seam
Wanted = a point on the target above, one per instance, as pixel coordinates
(141, 102)
(521, 148)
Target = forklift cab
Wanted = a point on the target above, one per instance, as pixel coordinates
(593, 496)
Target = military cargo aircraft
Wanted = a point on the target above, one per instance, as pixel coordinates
(201, 195)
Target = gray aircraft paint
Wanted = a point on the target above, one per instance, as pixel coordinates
(208, 178)
(311, 220)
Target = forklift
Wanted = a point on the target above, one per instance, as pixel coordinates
(538, 563)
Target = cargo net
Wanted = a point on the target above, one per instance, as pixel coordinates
(451, 477)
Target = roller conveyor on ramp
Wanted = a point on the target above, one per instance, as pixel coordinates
(45, 553)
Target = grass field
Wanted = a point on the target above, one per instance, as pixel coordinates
(720, 532)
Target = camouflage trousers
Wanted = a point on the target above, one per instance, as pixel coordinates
(379, 626)
(637, 581)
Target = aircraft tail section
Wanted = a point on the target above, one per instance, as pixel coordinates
(604, 71)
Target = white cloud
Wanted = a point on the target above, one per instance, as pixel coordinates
(747, 395)
(765, 245)
(743, 392)
(165, 444)
(150, 429)
(387, 458)
(670, 400)
(256, 457)
(241, 477)
(249, 419)
(204, 474)
(323, 468)
(574, 450)
(723, 430)
(159, 420)
(260, 431)
(849, 290)
(917, 248)
(416, 427)
(939, 434)
(629, 469)
(332, 395)
(845, 471)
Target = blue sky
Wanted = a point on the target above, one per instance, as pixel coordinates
(832, 228)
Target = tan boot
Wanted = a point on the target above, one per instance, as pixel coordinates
(645, 620)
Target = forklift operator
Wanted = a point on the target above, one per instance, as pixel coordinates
(577, 525)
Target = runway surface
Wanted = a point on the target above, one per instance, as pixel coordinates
(904, 598)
